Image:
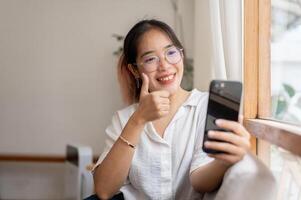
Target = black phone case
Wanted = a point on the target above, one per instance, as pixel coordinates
(223, 103)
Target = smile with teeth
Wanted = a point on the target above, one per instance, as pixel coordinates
(167, 78)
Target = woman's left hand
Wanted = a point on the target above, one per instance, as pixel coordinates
(235, 143)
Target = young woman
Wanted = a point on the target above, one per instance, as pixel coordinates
(153, 148)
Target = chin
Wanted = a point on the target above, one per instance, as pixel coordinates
(172, 89)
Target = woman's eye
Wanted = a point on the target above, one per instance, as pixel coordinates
(149, 60)
(171, 52)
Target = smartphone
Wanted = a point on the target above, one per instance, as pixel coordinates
(223, 103)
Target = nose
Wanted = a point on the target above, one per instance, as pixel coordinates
(163, 64)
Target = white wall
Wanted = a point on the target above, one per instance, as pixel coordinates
(58, 83)
(186, 10)
(57, 80)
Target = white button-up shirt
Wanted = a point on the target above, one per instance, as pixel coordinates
(161, 166)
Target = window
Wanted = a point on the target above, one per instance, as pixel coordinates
(286, 60)
(276, 143)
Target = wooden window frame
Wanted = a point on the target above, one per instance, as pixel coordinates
(257, 85)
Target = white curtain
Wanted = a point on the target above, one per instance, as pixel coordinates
(218, 41)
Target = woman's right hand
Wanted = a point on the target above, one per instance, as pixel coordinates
(152, 105)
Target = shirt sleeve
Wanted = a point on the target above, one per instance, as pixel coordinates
(200, 158)
(112, 133)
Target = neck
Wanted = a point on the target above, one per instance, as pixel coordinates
(178, 97)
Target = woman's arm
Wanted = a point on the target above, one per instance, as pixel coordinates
(110, 175)
(234, 144)
(208, 177)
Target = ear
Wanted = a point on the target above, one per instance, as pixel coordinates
(133, 70)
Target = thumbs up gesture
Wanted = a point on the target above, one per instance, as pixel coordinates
(152, 105)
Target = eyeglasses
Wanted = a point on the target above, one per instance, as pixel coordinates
(172, 55)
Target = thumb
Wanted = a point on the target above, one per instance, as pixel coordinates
(144, 87)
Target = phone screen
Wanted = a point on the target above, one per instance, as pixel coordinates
(223, 103)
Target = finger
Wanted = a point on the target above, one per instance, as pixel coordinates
(165, 101)
(227, 158)
(158, 101)
(163, 113)
(229, 137)
(162, 93)
(224, 147)
(144, 88)
(241, 119)
(157, 97)
(236, 127)
(224, 136)
(164, 107)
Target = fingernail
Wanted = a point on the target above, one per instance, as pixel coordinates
(218, 121)
(210, 133)
(206, 144)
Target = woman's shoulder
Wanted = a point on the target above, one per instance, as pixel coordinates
(128, 109)
(126, 112)
(120, 117)
(199, 93)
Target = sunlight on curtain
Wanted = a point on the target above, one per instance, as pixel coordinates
(218, 41)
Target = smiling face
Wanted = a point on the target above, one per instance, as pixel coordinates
(165, 76)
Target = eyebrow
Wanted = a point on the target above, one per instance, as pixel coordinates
(149, 52)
